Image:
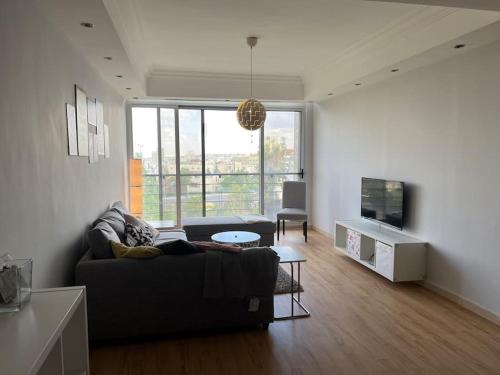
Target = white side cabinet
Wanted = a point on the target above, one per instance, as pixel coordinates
(48, 336)
(392, 254)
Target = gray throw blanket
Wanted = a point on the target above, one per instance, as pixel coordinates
(251, 273)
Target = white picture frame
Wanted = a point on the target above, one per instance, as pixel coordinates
(106, 141)
(91, 148)
(100, 126)
(72, 131)
(81, 121)
(91, 112)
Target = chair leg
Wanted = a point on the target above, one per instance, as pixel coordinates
(304, 229)
(283, 227)
(278, 228)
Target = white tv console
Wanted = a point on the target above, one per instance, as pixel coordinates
(392, 254)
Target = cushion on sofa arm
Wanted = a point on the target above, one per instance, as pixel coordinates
(169, 235)
(115, 219)
(120, 207)
(99, 239)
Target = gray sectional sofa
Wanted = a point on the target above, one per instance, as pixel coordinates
(143, 297)
(202, 228)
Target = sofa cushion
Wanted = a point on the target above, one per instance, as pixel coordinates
(206, 226)
(116, 220)
(99, 239)
(170, 235)
(131, 219)
(120, 207)
(139, 252)
(138, 235)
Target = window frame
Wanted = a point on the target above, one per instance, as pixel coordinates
(158, 105)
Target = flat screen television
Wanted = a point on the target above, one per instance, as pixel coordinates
(382, 200)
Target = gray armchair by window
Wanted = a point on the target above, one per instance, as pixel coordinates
(294, 205)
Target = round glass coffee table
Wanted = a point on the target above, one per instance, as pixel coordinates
(244, 239)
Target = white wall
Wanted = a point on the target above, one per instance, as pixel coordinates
(438, 129)
(47, 198)
(223, 86)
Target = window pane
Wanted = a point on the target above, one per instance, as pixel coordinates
(228, 147)
(281, 156)
(169, 167)
(231, 165)
(282, 142)
(190, 162)
(232, 194)
(273, 192)
(191, 196)
(145, 147)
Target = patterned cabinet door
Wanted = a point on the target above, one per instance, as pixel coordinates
(353, 243)
(384, 255)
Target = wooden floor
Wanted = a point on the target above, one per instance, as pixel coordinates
(360, 324)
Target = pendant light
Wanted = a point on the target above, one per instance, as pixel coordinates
(251, 113)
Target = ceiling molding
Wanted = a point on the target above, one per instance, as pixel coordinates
(413, 22)
(124, 29)
(469, 4)
(159, 73)
(430, 28)
(189, 85)
(96, 43)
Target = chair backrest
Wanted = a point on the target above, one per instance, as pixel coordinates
(294, 194)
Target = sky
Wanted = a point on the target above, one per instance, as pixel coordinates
(223, 134)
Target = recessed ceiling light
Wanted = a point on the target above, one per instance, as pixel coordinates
(357, 84)
(108, 58)
(88, 25)
(458, 46)
(330, 93)
(395, 70)
(119, 76)
(128, 88)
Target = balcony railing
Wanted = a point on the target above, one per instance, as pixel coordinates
(225, 194)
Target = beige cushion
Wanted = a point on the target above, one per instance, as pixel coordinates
(123, 251)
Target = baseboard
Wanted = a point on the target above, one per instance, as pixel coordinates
(465, 303)
(323, 232)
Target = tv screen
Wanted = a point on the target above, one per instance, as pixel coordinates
(382, 200)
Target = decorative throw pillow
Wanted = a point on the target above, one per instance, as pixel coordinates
(141, 223)
(138, 236)
(123, 251)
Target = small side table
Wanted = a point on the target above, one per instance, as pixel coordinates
(242, 238)
(289, 255)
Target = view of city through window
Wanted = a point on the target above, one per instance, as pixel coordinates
(219, 167)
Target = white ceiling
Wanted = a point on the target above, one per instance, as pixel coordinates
(470, 4)
(327, 44)
(210, 36)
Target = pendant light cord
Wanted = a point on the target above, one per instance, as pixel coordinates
(251, 72)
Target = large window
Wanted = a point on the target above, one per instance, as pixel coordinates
(231, 166)
(200, 162)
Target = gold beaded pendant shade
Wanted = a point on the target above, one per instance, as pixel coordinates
(251, 113)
